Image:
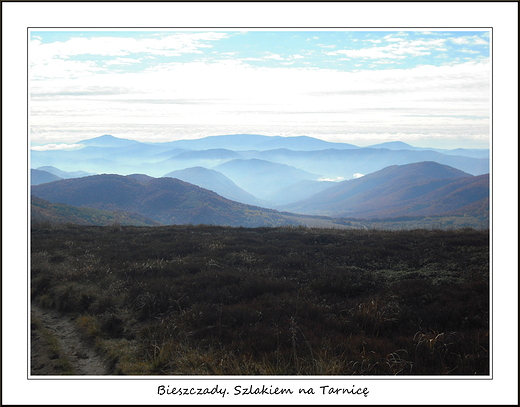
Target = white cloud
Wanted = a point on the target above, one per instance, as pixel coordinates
(274, 56)
(393, 39)
(55, 59)
(469, 40)
(51, 146)
(460, 40)
(123, 61)
(396, 50)
(357, 175)
(59, 68)
(335, 179)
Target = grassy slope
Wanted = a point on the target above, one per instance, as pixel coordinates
(220, 300)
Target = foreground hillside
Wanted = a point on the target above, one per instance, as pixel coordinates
(43, 211)
(207, 300)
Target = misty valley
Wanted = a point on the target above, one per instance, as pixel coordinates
(253, 180)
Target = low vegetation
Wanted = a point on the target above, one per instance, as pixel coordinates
(211, 300)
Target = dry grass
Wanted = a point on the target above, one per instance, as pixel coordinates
(204, 300)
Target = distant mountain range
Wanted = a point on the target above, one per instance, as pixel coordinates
(399, 145)
(65, 174)
(335, 163)
(419, 189)
(108, 154)
(241, 142)
(294, 174)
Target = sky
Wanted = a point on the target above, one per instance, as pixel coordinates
(428, 88)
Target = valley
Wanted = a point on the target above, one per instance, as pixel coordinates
(254, 255)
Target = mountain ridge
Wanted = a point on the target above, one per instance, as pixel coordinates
(164, 200)
(420, 189)
(109, 154)
(391, 192)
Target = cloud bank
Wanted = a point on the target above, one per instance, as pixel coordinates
(145, 87)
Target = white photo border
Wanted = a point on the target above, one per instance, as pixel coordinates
(501, 17)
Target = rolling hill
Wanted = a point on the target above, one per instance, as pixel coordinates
(45, 211)
(165, 200)
(419, 189)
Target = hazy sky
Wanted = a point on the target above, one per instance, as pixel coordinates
(427, 88)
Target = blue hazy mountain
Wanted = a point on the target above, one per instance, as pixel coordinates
(108, 141)
(108, 154)
(240, 142)
(64, 174)
(394, 145)
(216, 182)
(334, 163)
(297, 192)
(183, 159)
(465, 152)
(262, 178)
(41, 177)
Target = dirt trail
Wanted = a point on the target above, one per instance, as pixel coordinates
(84, 359)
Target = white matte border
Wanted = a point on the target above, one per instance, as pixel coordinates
(501, 16)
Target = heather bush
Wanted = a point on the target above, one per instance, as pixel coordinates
(221, 300)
